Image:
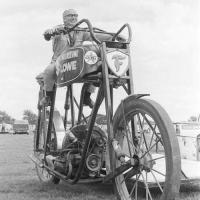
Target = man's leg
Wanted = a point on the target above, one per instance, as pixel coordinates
(49, 75)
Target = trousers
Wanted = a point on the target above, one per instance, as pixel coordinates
(49, 76)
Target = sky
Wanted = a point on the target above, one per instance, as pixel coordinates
(165, 48)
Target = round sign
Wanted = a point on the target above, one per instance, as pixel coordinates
(91, 57)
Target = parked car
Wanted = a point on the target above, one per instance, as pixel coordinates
(5, 128)
(21, 127)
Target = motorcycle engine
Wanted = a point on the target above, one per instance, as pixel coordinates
(68, 162)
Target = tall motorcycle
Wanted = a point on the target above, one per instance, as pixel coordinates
(134, 148)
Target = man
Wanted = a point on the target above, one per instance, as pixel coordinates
(60, 43)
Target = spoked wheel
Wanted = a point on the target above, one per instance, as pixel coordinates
(39, 145)
(146, 135)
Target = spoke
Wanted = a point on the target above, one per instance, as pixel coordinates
(151, 127)
(137, 178)
(157, 181)
(149, 149)
(158, 172)
(128, 139)
(140, 122)
(147, 188)
(145, 142)
(142, 130)
(152, 136)
(136, 188)
(156, 159)
(137, 147)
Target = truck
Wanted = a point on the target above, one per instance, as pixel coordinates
(21, 127)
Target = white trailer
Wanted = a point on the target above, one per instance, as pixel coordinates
(188, 134)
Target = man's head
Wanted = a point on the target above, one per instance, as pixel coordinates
(70, 17)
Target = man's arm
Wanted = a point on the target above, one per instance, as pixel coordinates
(48, 34)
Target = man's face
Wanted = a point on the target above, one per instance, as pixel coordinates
(70, 19)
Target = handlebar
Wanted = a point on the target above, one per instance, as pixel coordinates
(91, 30)
(121, 29)
(68, 30)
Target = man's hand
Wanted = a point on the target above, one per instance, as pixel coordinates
(53, 31)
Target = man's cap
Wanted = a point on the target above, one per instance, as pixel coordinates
(69, 12)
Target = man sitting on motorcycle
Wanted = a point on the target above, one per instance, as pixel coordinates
(62, 42)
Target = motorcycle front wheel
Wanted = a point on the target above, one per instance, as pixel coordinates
(145, 133)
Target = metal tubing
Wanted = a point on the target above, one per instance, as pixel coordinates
(66, 107)
(72, 105)
(121, 29)
(130, 75)
(48, 136)
(108, 103)
(90, 29)
(84, 118)
(99, 99)
(81, 102)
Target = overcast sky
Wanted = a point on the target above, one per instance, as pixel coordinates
(165, 48)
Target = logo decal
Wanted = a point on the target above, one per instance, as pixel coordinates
(90, 57)
(118, 62)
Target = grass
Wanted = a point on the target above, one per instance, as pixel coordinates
(18, 178)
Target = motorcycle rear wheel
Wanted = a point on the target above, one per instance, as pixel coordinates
(145, 132)
(39, 143)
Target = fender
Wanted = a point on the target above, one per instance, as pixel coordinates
(136, 96)
(127, 99)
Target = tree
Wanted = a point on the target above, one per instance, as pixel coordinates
(4, 117)
(193, 119)
(30, 116)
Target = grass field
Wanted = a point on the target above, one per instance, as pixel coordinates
(18, 180)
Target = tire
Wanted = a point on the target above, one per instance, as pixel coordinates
(154, 146)
(39, 140)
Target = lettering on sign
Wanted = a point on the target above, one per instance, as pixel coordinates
(69, 66)
(70, 54)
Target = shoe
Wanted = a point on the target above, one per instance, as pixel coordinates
(87, 101)
(45, 101)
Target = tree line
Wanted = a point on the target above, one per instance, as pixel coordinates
(27, 115)
(32, 117)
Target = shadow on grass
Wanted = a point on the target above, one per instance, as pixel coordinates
(190, 188)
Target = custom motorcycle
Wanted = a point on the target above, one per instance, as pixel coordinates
(134, 147)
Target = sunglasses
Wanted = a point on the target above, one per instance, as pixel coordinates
(72, 15)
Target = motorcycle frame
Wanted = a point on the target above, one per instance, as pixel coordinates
(105, 91)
